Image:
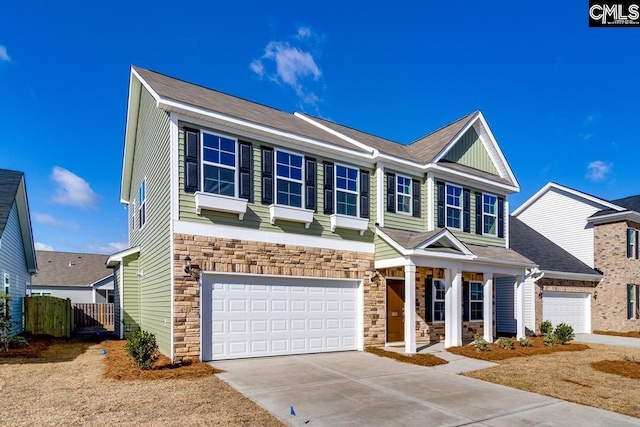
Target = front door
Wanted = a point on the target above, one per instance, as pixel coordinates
(395, 310)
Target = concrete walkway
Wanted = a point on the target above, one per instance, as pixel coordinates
(361, 389)
(608, 340)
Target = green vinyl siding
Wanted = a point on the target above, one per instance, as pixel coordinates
(151, 163)
(470, 151)
(384, 250)
(406, 221)
(257, 215)
(130, 295)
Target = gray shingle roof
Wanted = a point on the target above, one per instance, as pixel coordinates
(428, 147)
(409, 239)
(9, 183)
(549, 256)
(70, 269)
(631, 203)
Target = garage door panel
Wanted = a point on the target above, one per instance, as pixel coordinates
(570, 308)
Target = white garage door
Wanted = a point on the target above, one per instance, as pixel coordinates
(246, 316)
(570, 308)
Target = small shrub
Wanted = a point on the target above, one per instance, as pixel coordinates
(507, 343)
(481, 344)
(18, 341)
(6, 321)
(546, 327)
(564, 333)
(550, 339)
(526, 342)
(141, 347)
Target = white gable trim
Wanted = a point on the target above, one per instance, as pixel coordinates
(117, 258)
(617, 216)
(335, 133)
(445, 234)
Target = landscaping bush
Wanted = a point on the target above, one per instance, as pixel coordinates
(550, 339)
(6, 322)
(481, 344)
(564, 333)
(526, 342)
(507, 343)
(546, 327)
(141, 347)
(18, 341)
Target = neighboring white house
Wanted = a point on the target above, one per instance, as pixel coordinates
(83, 278)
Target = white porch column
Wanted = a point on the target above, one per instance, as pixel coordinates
(410, 308)
(487, 308)
(453, 307)
(520, 330)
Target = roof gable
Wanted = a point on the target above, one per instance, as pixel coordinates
(9, 183)
(470, 151)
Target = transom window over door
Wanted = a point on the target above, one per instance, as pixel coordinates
(454, 206)
(218, 164)
(289, 179)
(403, 194)
(489, 214)
(346, 190)
(438, 300)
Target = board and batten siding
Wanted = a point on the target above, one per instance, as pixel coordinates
(151, 162)
(562, 218)
(14, 263)
(403, 221)
(257, 215)
(470, 151)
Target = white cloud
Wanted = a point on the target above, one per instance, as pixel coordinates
(108, 248)
(47, 219)
(304, 32)
(43, 247)
(598, 170)
(72, 190)
(257, 67)
(4, 56)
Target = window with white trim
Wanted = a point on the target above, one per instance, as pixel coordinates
(489, 214)
(289, 179)
(347, 190)
(454, 206)
(219, 164)
(476, 301)
(632, 243)
(633, 301)
(403, 194)
(142, 204)
(438, 300)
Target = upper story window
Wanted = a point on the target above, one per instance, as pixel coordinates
(346, 190)
(454, 206)
(142, 204)
(289, 179)
(632, 243)
(633, 301)
(489, 214)
(404, 194)
(218, 164)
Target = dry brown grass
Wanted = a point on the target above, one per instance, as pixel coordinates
(416, 359)
(570, 376)
(632, 334)
(497, 353)
(66, 386)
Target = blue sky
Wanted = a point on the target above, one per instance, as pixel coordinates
(561, 98)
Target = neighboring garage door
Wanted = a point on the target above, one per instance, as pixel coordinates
(254, 316)
(570, 308)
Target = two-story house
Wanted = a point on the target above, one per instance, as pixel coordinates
(602, 234)
(254, 232)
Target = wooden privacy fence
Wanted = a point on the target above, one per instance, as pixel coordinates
(48, 315)
(87, 315)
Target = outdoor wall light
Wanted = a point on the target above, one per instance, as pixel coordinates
(193, 270)
(187, 264)
(595, 295)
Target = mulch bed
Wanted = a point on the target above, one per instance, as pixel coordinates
(416, 359)
(118, 366)
(496, 353)
(37, 345)
(624, 368)
(632, 334)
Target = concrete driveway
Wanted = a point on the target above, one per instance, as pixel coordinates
(361, 389)
(608, 340)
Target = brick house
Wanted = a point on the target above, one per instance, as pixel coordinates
(255, 232)
(603, 235)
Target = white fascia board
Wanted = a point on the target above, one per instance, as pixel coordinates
(392, 242)
(444, 233)
(391, 262)
(117, 258)
(455, 139)
(91, 285)
(410, 166)
(553, 185)
(501, 158)
(440, 255)
(614, 217)
(24, 218)
(335, 133)
(474, 180)
(505, 262)
(572, 276)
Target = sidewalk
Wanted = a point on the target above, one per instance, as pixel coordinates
(608, 340)
(457, 364)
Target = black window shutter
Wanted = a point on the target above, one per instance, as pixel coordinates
(191, 163)
(364, 194)
(415, 193)
(328, 188)
(466, 210)
(478, 213)
(441, 210)
(629, 245)
(246, 159)
(310, 184)
(637, 235)
(391, 192)
(500, 217)
(267, 175)
(428, 292)
(466, 307)
(630, 301)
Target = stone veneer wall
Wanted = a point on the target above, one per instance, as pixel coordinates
(609, 309)
(560, 285)
(241, 256)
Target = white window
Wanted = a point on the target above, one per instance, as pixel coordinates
(454, 206)
(6, 283)
(632, 243)
(142, 200)
(219, 164)
(347, 190)
(476, 301)
(489, 214)
(289, 179)
(403, 202)
(438, 300)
